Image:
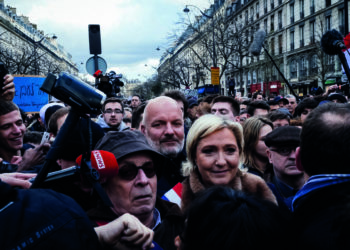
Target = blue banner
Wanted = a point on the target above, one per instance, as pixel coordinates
(28, 96)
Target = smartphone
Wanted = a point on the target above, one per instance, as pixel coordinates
(45, 138)
(3, 73)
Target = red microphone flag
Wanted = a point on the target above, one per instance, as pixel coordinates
(104, 162)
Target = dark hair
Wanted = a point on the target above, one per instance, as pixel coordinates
(209, 98)
(306, 103)
(325, 140)
(112, 100)
(223, 218)
(228, 99)
(137, 96)
(177, 95)
(257, 105)
(126, 120)
(255, 95)
(278, 115)
(52, 123)
(7, 107)
(136, 117)
(32, 137)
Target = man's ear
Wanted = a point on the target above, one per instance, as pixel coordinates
(298, 160)
(237, 118)
(268, 152)
(143, 129)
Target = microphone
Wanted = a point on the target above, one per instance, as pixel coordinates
(103, 161)
(332, 42)
(257, 44)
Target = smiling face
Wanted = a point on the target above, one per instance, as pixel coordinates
(136, 196)
(12, 131)
(217, 158)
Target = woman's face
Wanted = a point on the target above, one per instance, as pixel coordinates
(217, 158)
(261, 147)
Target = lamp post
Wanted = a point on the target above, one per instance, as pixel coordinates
(36, 44)
(187, 10)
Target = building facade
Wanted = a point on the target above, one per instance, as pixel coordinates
(27, 51)
(293, 29)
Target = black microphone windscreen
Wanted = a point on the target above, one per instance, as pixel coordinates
(328, 41)
(258, 42)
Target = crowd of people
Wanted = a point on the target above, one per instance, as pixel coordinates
(216, 172)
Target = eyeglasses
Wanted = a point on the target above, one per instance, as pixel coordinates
(283, 151)
(129, 172)
(111, 111)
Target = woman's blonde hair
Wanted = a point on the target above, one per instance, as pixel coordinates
(204, 126)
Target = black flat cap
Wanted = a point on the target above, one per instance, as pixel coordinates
(283, 136)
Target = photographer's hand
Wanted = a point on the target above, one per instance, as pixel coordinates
(125, 232)
(33, 157)
(8, 88)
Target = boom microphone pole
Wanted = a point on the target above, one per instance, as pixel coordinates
(255, 49)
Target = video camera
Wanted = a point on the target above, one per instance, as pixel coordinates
(109, 83)
(74, 92)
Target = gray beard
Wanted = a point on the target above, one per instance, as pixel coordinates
(170, 153)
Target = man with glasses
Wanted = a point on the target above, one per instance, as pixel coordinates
(112, 115)
(287, 178)
(134, 189)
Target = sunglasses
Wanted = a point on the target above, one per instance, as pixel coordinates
(283, 151)
(129, 171)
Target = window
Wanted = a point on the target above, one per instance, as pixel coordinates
(272, 4)
(292, 13)
(313, 65)
(328, 3)
(272, 23)
(280, 44)
(301, 35)
(251, 14)
(280, 20)
(265, 25)
(302, 67)
(328, 22)
(265, 6)
(246, 17)
(301, 5)
(257, 10)
(341, 21)
(272, 46)
(312, 32)
(312, 6)
(292, 40)
(293, 69)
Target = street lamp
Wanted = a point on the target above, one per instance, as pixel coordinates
(36, 43)
(187, 10)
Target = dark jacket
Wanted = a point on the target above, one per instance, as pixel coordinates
(322, 217)
(170, 174)
(43, 219)
(172, 223)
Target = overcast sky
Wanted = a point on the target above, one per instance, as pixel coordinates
(131, 30)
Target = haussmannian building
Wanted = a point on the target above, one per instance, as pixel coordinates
(293, 29)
